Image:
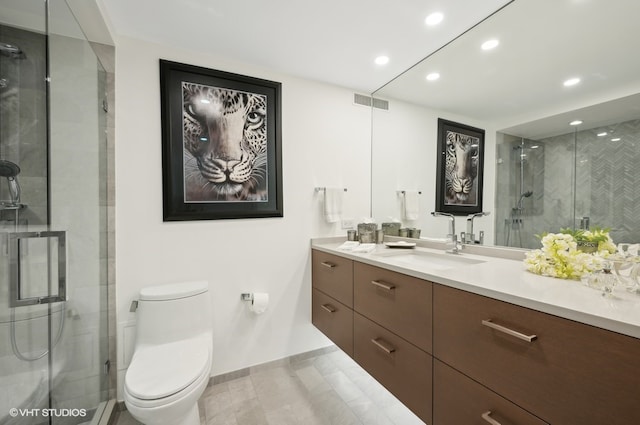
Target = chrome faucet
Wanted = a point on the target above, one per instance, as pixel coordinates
(452, 231)
(469, 237)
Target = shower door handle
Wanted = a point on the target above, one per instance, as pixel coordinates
(53, 267)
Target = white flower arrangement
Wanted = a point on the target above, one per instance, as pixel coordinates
(560, 257)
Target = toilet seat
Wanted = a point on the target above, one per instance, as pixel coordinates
(158, 372)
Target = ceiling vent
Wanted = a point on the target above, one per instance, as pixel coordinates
(360, 99)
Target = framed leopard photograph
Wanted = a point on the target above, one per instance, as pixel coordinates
(460, 164)
(221, 144)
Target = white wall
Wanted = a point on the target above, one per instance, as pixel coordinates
(404, 158)
(326, 142)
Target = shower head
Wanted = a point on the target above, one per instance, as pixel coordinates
(11, 50)
(8, 168)
(522, 196)
(10, 171)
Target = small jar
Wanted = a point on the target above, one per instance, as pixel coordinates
(603, 280)
(367, 236)
(391, 229)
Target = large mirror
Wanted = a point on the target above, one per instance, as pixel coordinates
(540, 173)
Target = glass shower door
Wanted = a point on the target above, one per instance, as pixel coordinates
(53, 250)
(77, 205)
(24, 326)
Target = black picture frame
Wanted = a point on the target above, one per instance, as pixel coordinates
(455, 193)
(221, 144)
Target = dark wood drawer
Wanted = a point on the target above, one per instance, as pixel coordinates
(458, 400)
(402, 368)
(333, 275)
(334, 319)
(398, 302)
(570, 374)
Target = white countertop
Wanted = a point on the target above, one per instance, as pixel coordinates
(508, 280)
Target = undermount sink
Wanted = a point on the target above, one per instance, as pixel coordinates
(424, 258)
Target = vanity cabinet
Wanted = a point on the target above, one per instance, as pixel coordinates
(392, 333)
(382, 319)
(334, 319)
(332, 298)
(396, 301)
(454, 357)
(333, 275)
(564, 372)
(403, 368)
(459, 400)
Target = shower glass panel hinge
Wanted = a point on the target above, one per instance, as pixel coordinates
(37, 268)
(106, 367)
(105, 105)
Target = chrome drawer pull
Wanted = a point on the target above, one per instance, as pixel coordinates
(528, 338)
(329, 308)
(487, 417)
(383, 285)
(330, 265)
(383, 345)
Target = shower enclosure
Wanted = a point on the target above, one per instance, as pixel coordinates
(580, 179)
(53, 221)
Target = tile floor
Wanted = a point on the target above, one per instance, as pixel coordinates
(324, 389)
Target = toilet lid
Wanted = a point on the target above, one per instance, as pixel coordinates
(160, 371)
(172, 291)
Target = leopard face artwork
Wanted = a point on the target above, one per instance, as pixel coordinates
(461, 169)
(224, 144)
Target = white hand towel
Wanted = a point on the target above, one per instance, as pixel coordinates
(333, 204)
(411, 202)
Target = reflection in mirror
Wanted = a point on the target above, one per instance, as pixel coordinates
(540, 173)
(581, 178)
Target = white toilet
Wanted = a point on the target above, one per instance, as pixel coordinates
(172, 357)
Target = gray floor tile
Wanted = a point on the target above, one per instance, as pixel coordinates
(324, 389)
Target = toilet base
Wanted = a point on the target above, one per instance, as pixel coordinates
(192, 418)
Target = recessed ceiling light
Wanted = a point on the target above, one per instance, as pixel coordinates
(604, 133)
(433, 76)
(382, 60)
(615, 139)
(434, 19)
(576, 122)
(490, 44)
(535, 147)
(205, 101)
(571, 82)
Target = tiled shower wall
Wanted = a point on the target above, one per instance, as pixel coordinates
(572, 175)
(608, 177)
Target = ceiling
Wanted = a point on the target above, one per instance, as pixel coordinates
(542, 44)
(332, 41)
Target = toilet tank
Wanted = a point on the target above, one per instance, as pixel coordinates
(173, 312)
